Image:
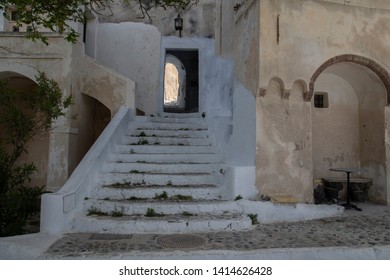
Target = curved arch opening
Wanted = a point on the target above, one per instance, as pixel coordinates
(94, 118)
(375, 67)
(38, 147)
(351, 131)
(174, 84)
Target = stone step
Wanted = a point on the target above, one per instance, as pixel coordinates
(168, 133)
(188, 120)
(168, 126)
(164, 207)
(160, 178)
(168, 141)
(182, 115)
(127, 192)
(154, 148)
(164, 158)
(163, 168)
(161, 225)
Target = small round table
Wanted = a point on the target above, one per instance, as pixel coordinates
(348, 171)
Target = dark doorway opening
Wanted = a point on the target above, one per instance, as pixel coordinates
(190, 102)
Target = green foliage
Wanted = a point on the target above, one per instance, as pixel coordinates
(143, 142)
(151, 213)
(253, 217)
(164, 195)
(56, 15)
(134, 198)
(238, 197)
(118, 213)
(23, 115)
(93, 211)
(182, 197)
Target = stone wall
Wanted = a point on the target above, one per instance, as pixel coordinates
(58, 153)
(284, 143)
(133, 50)
(322, 46)
(199, 19)
(311, 32)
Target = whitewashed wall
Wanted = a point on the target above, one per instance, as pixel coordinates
(133, 50)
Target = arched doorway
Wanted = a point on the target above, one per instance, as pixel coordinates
(350, 94)
(38, 147)
(174, 84)
(181, 81)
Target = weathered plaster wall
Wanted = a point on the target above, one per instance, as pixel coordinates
(335, 129)
(311, 32)
(237, 38)
(246, 45)
(284, 144)
(60, 152)
(387, 150)
(350, 133)
(98, 92)
(2, 20)
(376, 4)
(105, 85)
(133, 50)
(225, 24)
(27, 58)
(199, 20)
(296, 38)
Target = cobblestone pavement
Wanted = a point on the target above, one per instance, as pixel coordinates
(352, 229)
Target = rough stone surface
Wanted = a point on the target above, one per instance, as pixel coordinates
(359, 230)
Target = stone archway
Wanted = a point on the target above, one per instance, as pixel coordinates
(383, 75)
(174, 84)
(350, 130)
(38, 147)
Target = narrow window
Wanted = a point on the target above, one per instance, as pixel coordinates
(321, 100)
(14, 15)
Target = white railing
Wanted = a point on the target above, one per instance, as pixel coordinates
(58, 209)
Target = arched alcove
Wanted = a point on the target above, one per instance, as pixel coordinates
(276, 87)
(298, 90)
(93, 119)
(350, 130)
(38, 147)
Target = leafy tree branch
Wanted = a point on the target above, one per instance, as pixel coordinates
(23, 115)
(58, 15)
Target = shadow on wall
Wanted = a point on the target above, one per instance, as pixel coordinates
(94, 118)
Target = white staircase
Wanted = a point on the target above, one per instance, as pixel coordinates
(164, 176)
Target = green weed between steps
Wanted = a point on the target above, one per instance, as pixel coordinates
(151, 213)
(253, 217)
(93, 211)
(164, 196)
(187, 214)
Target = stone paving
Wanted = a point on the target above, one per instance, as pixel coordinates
(352, 229)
